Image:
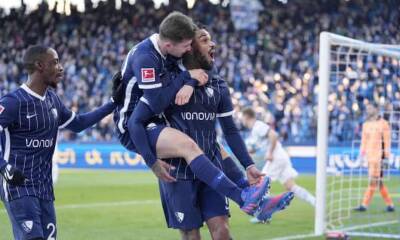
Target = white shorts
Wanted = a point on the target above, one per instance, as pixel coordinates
(280, 169)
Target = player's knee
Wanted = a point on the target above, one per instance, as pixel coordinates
(221, 232)
(190, 234)
(190, 149)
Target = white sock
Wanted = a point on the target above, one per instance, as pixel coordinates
(303, 194)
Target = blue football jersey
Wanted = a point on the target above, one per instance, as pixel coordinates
(141, 70)
(198, 120)
(29, 124)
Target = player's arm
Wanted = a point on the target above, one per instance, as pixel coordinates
(8, 116)
(160, 86)
(273, 139)
(80, 122)
(236, 143)
(229, 128)
(386, 139)
(159, 89)
(364, 140)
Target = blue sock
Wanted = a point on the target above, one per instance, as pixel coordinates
(233, 172)
(208, 173)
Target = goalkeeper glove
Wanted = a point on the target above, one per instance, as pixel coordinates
(118, 93)
(12, 175)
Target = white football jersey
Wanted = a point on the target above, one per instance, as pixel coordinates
(258, 139)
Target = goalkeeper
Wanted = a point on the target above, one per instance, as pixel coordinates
(375, 150)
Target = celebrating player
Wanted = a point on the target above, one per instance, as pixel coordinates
(375, 149)
(277, 161)
(30, 118)
(188, 202)
(150, 88)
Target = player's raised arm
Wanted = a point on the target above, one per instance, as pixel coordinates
(8, 116)
(80, 122)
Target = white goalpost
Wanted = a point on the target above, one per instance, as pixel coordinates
(341, 176)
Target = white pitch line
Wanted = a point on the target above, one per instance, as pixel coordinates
(369, 225)
(102, 204)
(294, 237)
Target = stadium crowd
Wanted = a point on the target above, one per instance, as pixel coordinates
(273, 69)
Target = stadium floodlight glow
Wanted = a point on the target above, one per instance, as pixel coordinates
(341, 184)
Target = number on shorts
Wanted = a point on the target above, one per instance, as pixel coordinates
(53, 230)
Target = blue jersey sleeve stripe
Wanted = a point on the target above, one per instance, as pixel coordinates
(68, 121)
(226, 114)
(6, 157)
(128, 96)
(7, 145)
(143, 99)
(150, 86)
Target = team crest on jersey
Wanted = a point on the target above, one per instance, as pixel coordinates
(54, 112)
(27, 226)
(210, 92)
(2, 108)
(179, 216)
(148, 75)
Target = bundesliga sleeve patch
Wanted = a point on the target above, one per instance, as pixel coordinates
(1, 108)
(148, 75)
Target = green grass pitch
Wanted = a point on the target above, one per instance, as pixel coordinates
(125, 205)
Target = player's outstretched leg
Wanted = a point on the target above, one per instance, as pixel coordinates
(183, 146)
(299, 191)
(269, 205)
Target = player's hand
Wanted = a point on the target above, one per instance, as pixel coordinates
(12, 175)
(118, 93)
(200, 75)
(184, 94)
(253, 174)
(161, 170)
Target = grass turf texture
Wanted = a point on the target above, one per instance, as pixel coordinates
(125, 205)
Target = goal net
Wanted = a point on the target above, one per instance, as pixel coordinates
(354, 74)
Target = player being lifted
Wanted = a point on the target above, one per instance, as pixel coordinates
(150, 88)
(30, 118)
(277, 161)
(187, 203)
(374, 150)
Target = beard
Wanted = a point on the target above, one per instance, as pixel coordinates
(202, 60)
(197, 60)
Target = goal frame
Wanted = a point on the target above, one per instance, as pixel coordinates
(326, 41)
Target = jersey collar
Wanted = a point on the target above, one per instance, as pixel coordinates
(153, 39)
(29, 91)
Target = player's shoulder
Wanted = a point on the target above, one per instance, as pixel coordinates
(383, 122)
(147, 50)
(12, 97)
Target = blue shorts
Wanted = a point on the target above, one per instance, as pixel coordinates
(31, 218)
(153, 132)
(189, 203)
